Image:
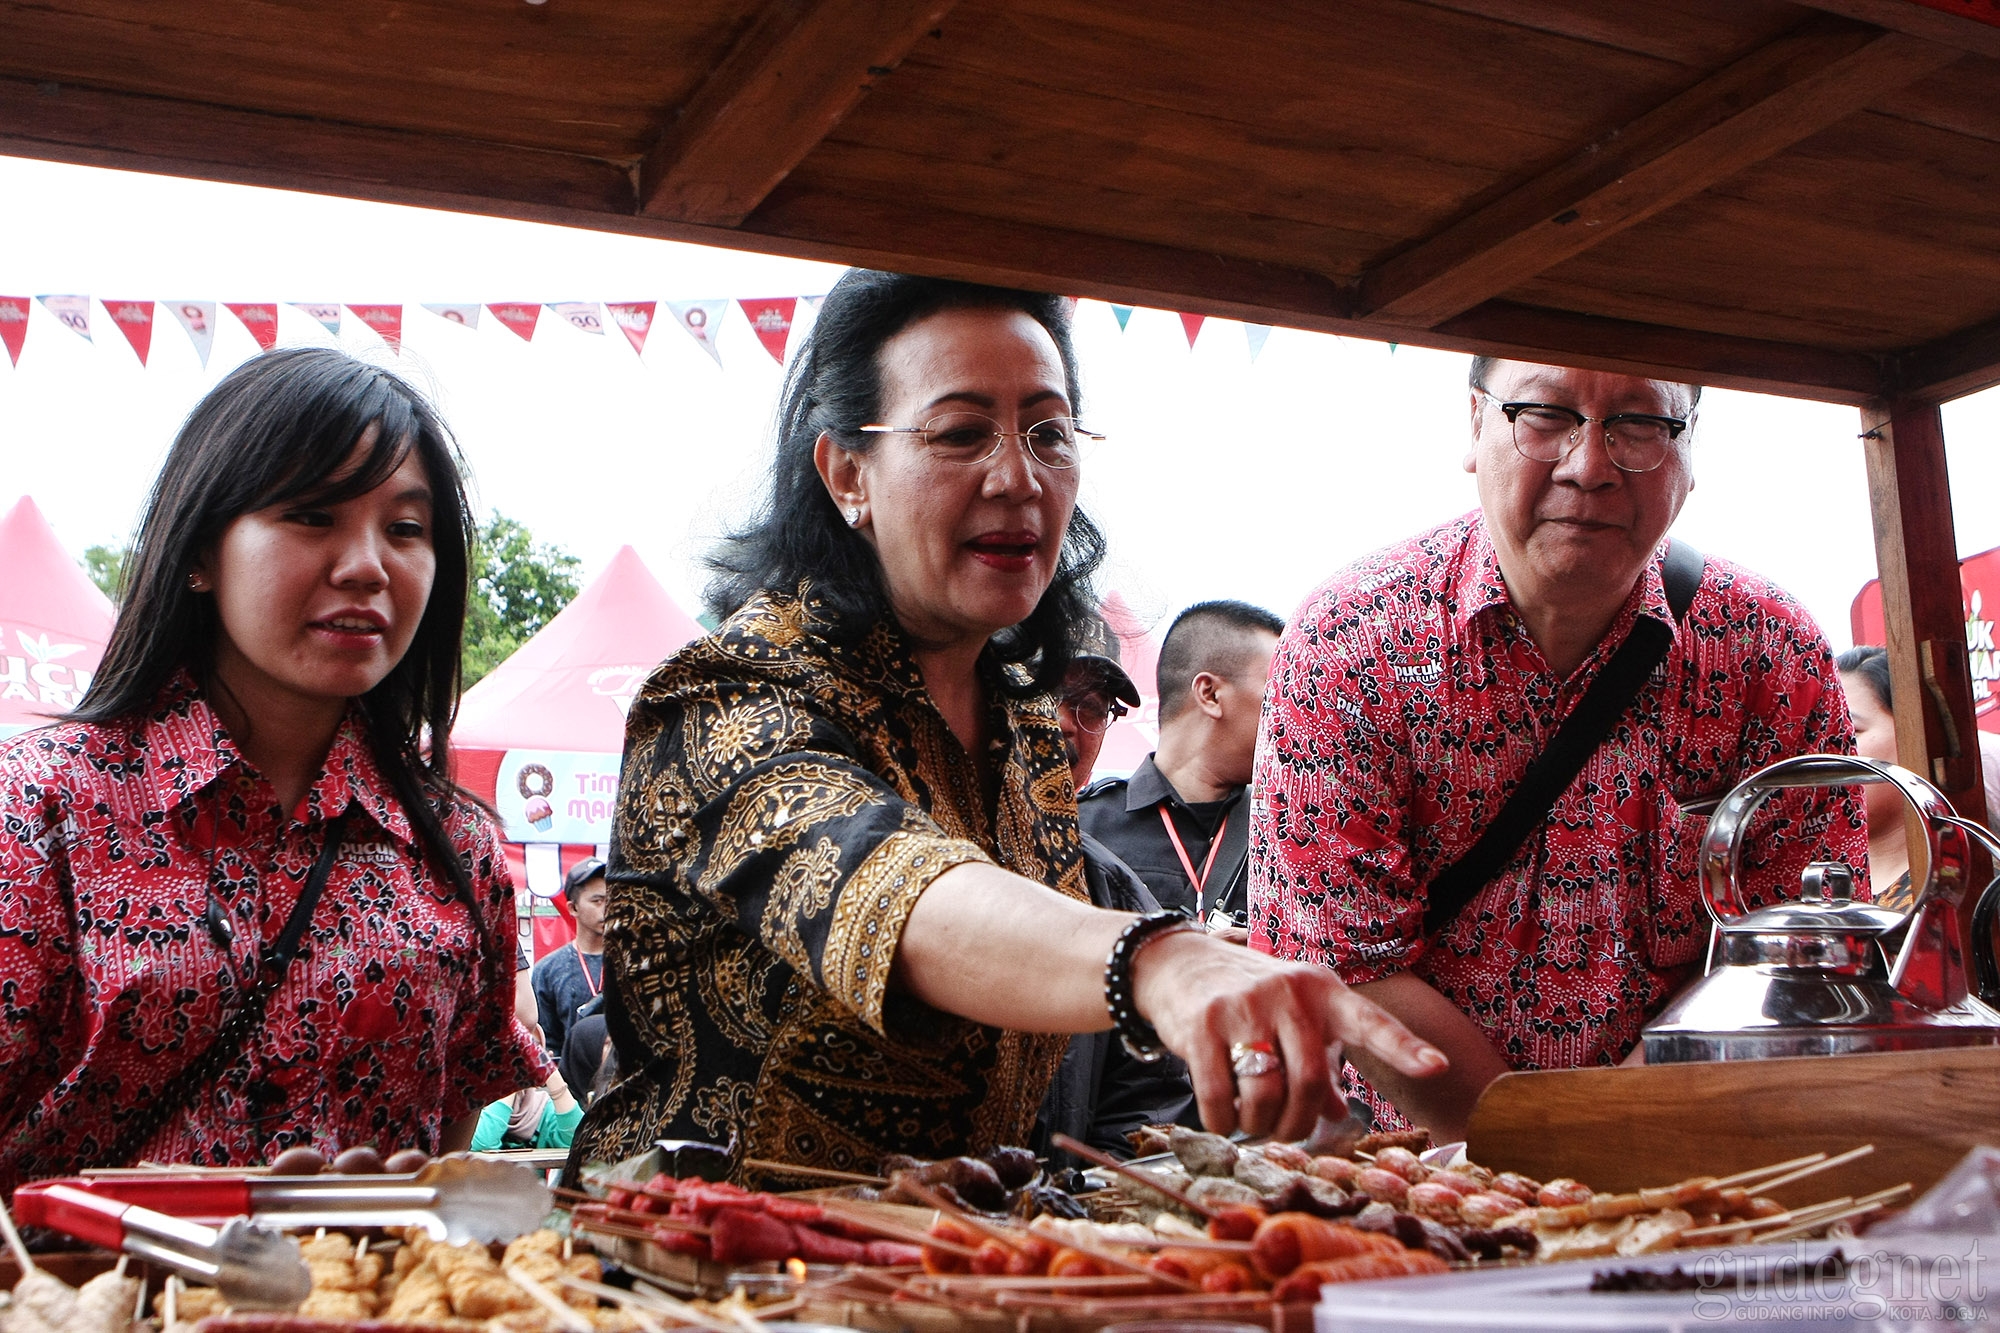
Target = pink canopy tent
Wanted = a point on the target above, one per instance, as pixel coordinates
(1132, 737)
(541, 736)
(54, 623)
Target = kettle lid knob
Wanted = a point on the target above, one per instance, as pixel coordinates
(1827, 882)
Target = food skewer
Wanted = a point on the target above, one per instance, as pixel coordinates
(1866, 1204)
(14, 1242)
(557, 1308)
(1737, 1224)
(1852, 1154)
(1744, 1178)
(1136, 1176)
(613, 1213)
(669, 1304)
(895, 1231)
(815, 1172)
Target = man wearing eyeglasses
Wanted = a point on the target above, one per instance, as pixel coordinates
(1101, 1092)
(1419, 690)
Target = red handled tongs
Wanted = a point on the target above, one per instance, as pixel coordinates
(452, 1199)
(253, 1266)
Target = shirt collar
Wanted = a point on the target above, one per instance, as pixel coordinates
(1148, 786)
(1480, 586)
(187, 748)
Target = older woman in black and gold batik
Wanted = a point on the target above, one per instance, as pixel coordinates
(847, 910)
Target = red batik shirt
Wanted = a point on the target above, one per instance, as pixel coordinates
(1406, 701)
(389, 1023)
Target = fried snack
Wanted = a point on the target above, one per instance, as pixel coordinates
(1303, 1283)
(104, 1304)
(1286, 1241)
(420, 1295)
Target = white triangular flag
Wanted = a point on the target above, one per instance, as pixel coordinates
(584, 316)
(198, 318)
(1255, 334)
(329, 315)
(468, 315)
(73, 312)
(701, 319)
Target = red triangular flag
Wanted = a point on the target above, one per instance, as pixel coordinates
(386, 320)
(261, 318)
(135, 320)
(518, 316)
(635, 320)
(14, 325)
(1192, 323)
(771, 319)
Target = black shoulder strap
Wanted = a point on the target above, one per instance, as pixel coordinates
(1575, 741)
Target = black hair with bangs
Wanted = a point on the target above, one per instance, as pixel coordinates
(281, 429)
(835, 386)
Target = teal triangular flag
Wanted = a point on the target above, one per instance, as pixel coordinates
(1124, 312)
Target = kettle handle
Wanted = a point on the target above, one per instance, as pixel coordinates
(1985, 966)
(1722, 843)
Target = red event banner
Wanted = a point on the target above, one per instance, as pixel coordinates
(14, 325)
(386, 320)
(518, 316)
(1979, 582)
(1979, 11)
(635, 320)
(135, 320)
(771, 318)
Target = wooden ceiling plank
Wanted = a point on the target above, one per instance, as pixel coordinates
(1918, 20)
(1825, 70)
(779, 92)
(1963, 363)
(146, 133)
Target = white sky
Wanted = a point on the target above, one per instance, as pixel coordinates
(1223, 477)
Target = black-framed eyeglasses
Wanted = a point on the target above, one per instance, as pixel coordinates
(971, 437)
(1094, 712)
(1546, 432)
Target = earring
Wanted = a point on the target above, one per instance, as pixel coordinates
(853, 515)
(197, 583)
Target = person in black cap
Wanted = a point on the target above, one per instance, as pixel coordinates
(1101, 1093)
(572, 976)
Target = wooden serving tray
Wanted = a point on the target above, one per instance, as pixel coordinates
(1626, 1128)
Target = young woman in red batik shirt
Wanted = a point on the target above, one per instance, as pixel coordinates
(245, 907)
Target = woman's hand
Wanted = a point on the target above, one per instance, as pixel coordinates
(1203, 997)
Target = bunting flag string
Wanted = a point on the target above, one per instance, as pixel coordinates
(466, 316)
(73, 312)
(702, 320)
(327, 315)
(262, 321)
(635, 320)
(771, 320)
(198, 318)
(14, 325)
(135, 320)
(519, 317)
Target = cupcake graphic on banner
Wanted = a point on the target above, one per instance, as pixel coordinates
(535, 783)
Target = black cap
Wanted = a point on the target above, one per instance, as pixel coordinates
(1109, 674)
(581, 874)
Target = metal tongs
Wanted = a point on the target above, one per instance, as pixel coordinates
(453, 1199)
(253, 1266)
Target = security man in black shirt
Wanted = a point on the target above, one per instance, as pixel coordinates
(1182, 821)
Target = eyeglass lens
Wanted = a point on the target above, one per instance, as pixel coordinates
(1547, 434)
(968, 437)
(1092, 713)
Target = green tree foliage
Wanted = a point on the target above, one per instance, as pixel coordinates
(106, 567)
(518, 587)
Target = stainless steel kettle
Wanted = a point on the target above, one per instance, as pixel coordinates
(1823, 974)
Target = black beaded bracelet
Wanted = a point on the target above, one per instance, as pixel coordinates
(1135, 1034)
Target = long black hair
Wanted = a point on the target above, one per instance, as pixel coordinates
(281, 428)
(835, 386)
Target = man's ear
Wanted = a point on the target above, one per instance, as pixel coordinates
(1203, 689)
(841, 473)
(1478, 420)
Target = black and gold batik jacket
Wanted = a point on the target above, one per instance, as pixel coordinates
(786, 797)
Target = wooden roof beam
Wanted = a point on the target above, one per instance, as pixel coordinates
(1979, 37)
(781, 89)
(1820, 73)
(1963, 363)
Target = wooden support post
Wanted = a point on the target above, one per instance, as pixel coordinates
(1923, 609)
